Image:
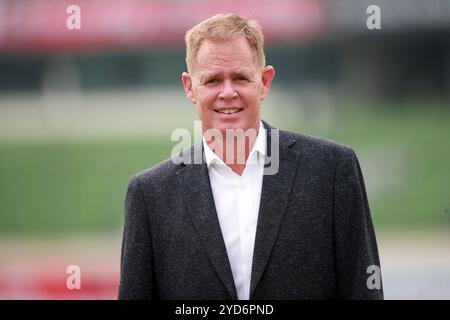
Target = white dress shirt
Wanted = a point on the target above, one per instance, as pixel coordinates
(237, 201)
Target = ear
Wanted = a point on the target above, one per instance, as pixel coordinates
(186, 79)
(267, 76)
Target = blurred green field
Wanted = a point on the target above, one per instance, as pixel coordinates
(59, 186)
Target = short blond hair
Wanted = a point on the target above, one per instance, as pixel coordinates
(225, 27)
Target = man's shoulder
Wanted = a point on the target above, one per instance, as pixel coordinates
(317, 147)
(161, 172)
(166, 170)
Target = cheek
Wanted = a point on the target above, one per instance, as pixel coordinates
(206, 97)
(251, 94)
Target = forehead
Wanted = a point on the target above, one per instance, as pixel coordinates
(231, 54)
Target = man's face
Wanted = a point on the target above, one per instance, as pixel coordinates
(227, 86)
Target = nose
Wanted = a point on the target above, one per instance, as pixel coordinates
(228, 91)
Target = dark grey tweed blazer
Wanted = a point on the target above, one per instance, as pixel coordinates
(314, 238)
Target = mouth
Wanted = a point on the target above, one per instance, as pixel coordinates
(228, 110)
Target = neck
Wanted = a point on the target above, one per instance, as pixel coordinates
(233, 149)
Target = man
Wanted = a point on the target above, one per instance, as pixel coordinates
(230, 229)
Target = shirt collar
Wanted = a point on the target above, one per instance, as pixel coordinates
(259, 147)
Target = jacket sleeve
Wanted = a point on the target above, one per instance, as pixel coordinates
(356, 254)
(136, 270)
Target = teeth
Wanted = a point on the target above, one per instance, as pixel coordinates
(228, 111)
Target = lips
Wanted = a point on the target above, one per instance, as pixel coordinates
(228, 110)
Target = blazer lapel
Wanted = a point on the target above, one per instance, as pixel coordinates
(193, 180)
(276, 190)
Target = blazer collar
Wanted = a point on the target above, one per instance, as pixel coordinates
(276, 189)
(195, 187)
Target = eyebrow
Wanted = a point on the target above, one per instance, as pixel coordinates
(208, 75)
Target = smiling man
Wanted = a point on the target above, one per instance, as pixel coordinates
(227, 81)
(229, 228)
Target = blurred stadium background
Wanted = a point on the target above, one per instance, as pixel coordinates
(81, 111)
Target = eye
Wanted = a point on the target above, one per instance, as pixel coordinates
(241, 78)
(212, 81)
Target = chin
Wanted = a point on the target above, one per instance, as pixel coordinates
(230, 126)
